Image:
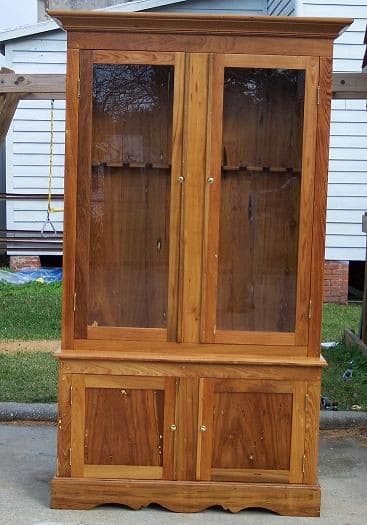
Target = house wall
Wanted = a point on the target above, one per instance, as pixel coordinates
(28, 140)
(281, 7)
(347, 192)
(217, 6)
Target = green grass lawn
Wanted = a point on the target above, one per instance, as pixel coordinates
(30, 311)
(33, 311)
(338, 317)
(28, 377)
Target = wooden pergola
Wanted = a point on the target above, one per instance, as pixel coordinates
(15, 87)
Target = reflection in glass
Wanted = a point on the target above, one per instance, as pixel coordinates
(130, 195)
(260, 196)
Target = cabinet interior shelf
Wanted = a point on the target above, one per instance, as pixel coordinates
(132, 165)
(261, 169)
(239, 167)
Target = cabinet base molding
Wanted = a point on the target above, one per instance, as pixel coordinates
(186, 496)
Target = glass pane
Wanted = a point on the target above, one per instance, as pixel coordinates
(260, 196)
(130, 195)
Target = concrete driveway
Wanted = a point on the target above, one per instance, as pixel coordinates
(27, 463)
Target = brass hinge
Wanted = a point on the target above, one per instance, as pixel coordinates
(70, 457)
(78, 87)
(303, 463)
(318, 95)
(74, 305)
(71, 395)
(310, 310)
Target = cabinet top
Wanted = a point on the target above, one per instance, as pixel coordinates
(223, 25)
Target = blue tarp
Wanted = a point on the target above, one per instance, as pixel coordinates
(42, 275)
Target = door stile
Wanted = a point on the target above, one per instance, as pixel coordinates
(205, 429)
(194, 159)
(169, 436)
(83, 197)
(212, 200)
(174, 276)
(303, 310)
(71, 169)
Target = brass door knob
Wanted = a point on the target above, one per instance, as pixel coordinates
(210, 180)
(173, 427)
(181, 179)
(203, 428)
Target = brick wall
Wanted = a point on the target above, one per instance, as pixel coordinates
(336, 282)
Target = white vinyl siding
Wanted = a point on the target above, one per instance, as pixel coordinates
(28, 140)
(281, 7)
(347, 191)
(217, 7)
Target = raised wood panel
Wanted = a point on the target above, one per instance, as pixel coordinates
(245, 425)
(247, 430)
(123, 427)
(120, 423)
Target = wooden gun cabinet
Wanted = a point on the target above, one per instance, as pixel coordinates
(196, 172)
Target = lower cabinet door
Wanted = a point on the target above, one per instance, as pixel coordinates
(121, 426)
(251, 430)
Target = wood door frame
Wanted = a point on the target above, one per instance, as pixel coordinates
(81, 328)
(207, 388)
(209, 333)
(79, 383)
(70, 182)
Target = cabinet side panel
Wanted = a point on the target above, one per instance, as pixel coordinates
(63, 424)
(319, 218)
(312, 432)
(71, 156)
(193, 202)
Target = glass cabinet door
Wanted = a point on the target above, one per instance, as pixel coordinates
(128, 195)
(260, 199)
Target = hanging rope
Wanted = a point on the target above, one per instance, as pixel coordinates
(48, 224)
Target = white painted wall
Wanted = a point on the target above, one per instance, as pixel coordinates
(27, 156)
(28, 139)
(281, 7)
(347, 192)
(17, 13)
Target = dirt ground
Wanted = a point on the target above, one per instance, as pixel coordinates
(10, 347)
